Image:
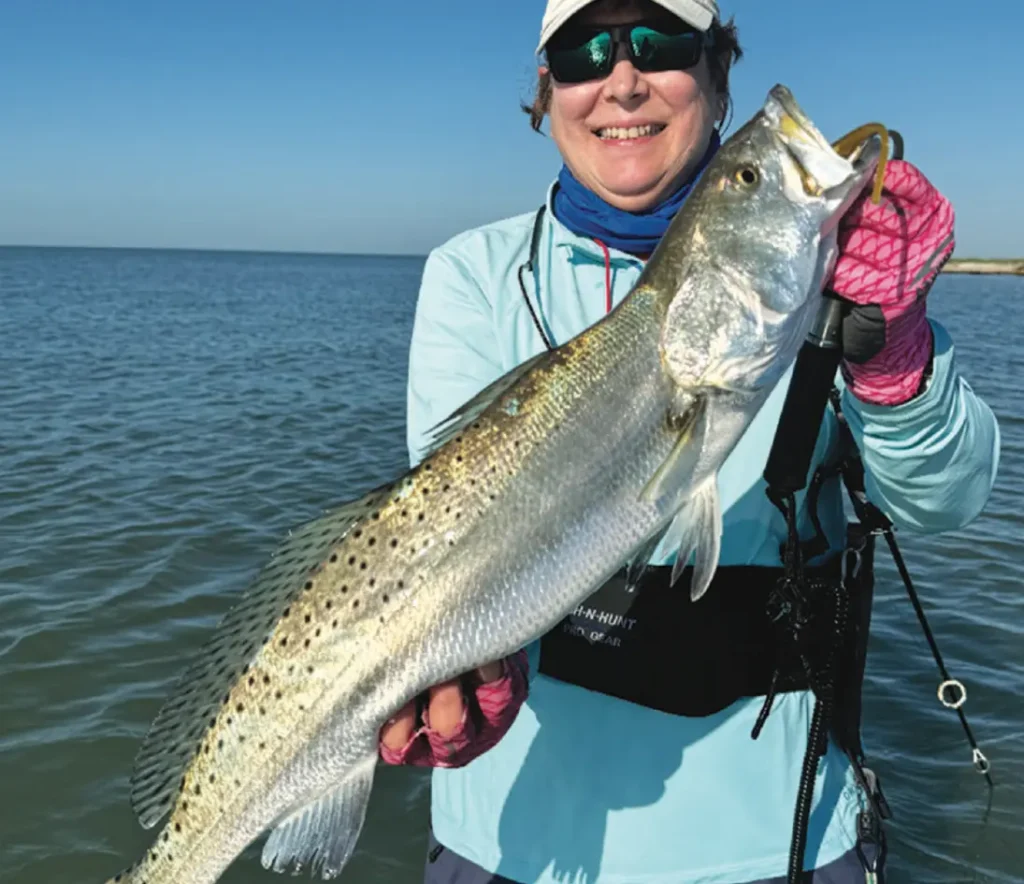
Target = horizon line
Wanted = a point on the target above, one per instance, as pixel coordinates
(216, 250)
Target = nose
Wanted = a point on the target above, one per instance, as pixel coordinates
(625, 83)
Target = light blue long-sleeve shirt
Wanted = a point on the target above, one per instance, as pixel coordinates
(589, 788)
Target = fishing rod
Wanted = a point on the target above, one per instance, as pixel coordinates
(812, 386)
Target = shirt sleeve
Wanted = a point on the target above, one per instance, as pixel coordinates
(930, 463)
(454, 351)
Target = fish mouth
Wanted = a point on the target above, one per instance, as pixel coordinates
(836, 173)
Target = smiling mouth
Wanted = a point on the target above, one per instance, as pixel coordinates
(621, 133)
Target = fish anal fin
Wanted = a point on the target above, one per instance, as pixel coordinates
(322, 835)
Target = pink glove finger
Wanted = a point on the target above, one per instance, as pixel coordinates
(499, 702)
(908, 201)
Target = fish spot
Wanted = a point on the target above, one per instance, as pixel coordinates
(421, 517)
(334, 557)
(263, 711)
(309, 669)
(309, 617)
(357, 534)
(385, 597)
(184, 806)
(458, 458)
(239, 708)
(351, 560)
(167, 837)
(309, 584)
(263, 746)
(355, 604)
(286, 613)
(328, 604)
(177, 827)
(318, 632)
(220, 744)
(401, 584)
(306, 643)
(266, 679)
(362, 566)
(213, 778)
(277, 695)
(284, 641)
(197, 789)
(344, 587)
(373, 580)
(252, 681)
(394, 542)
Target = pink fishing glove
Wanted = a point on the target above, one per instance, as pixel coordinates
(498, 703)
(889, 256)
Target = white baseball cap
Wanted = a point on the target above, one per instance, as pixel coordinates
(697, 13)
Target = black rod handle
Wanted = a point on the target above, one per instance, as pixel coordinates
(812, 380)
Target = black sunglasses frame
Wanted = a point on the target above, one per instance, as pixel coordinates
(621, 36)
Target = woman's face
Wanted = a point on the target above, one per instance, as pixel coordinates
(595, 124)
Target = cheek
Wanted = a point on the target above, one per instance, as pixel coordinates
(685, 95)
(571, 105)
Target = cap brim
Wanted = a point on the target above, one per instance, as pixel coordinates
(693, 13)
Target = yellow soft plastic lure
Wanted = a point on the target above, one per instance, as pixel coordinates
(854, 139)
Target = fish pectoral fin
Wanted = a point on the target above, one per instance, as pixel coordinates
(699, 529)
(469, 411)
(322, 835)
(672, 480)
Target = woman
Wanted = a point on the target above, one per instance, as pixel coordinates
(617, 762)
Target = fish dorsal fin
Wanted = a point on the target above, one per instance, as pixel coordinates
(177, 730)
(322, 835)
(469, 411)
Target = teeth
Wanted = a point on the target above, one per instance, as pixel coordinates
(618, 133)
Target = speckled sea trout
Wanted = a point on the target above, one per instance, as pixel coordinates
(537, 491)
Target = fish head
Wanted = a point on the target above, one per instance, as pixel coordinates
(752, 248)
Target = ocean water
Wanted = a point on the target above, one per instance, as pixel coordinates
(166, 416)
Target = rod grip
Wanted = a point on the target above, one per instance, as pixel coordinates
(812, 380)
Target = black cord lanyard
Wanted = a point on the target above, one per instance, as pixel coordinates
(531, 266)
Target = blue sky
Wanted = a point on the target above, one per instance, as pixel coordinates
(338, 125)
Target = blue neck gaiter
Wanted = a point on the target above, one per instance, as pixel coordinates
(637, 233)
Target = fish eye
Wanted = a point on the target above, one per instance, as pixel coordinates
(747, 176)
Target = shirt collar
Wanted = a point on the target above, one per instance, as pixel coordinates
(581, 247)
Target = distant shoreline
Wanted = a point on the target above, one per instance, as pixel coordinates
(979, 266)
(1007, 266)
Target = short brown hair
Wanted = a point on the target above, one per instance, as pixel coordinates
(725, 52)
